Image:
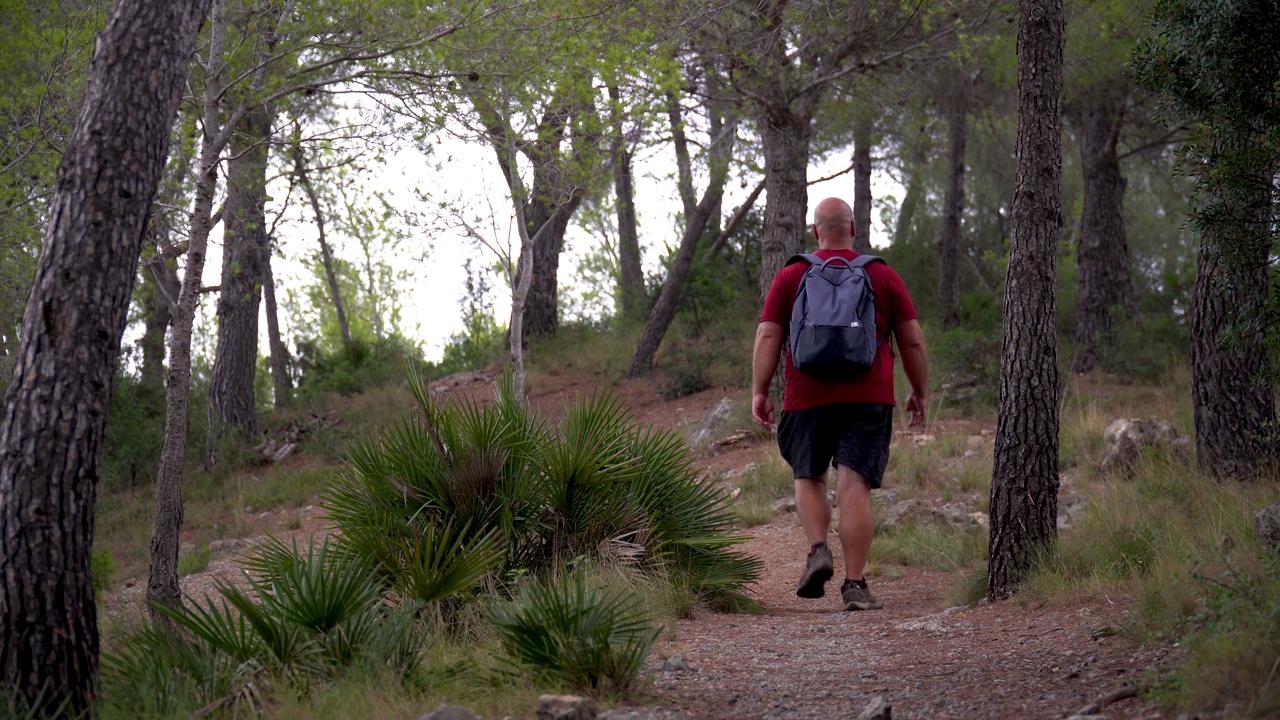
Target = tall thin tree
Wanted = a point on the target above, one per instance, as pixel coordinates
(55, 409)
(1024, 483)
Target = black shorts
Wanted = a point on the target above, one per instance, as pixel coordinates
(855, 435)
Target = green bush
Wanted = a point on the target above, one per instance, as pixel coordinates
(306, 615)
(589, 639)
(588, 486)
(103, 569)
(968, 364)
(133, 438)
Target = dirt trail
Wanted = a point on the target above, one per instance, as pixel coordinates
(812, 659)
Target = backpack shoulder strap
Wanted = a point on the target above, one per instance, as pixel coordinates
(804, 257)
(865, 260)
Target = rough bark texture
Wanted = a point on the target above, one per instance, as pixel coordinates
(231, 401)
(55, 409)
(1024, 485)
(326, 255)
(1104, 287)
(631, 285)
(160, 287)
(785, 139)
(1235, 416)
(862, 139)
(162, 576)
(952, 213)
(280, 380)
(664, 310)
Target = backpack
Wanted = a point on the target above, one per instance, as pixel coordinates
(833, 320)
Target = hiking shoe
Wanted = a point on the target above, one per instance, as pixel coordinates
(817, 571)
(857, 596)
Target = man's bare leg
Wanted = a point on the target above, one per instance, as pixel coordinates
(857, 522)
(813, 508)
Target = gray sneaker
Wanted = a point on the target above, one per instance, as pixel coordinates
(817, 571)
(858, 597)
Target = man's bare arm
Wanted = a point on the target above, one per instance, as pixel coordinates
(764, 363)
(915, 361)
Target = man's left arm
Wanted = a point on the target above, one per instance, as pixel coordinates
(764, 363)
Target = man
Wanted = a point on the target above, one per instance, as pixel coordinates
(847, 423)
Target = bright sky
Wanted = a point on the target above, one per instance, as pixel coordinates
(465, 175)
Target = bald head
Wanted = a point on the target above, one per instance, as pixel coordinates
(833, 224)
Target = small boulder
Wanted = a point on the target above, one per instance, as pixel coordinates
(1266, 527)
(713, 423)
(565, 707)
(675, 663)
(1127, 437)
(786, 504)
(877, 709)
(897, 513)
(450, 712)
(230, 546)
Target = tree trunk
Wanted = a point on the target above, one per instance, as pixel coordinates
(862, 140)
(785, 140)
(162, 576)
(1235, 415)
(664, 310)
(1024, 485)
(684, 164)
(231, 397)
(952, 212)
(631, 286)
(280, 380)
(160, 286)
(55, 408)
(1104, 285)
(331, 277)
(542, 315)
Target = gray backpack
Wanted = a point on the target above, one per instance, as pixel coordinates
(833, 321)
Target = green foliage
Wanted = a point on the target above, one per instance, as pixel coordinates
(484, 477)
(306, 615)
(194, 561)
(589, 639)
(967, 364)
(134, 436)
(1232, 658)
(1213, 65)
(102, 567)
(354, 369)
(930, 545)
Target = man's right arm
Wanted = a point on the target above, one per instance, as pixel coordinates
(915, 361)
(764, 363)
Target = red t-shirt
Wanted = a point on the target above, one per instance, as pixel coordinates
(893, 306)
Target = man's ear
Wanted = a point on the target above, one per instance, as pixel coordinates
(814, 227)
(853, 228)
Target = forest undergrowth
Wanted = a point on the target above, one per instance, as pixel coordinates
(429, 593)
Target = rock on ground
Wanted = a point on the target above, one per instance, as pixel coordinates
(565, 707)
(1127, 437)
(713, 423)
(1266, 526)
(450, 712)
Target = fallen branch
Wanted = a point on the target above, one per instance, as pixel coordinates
(1124, 693)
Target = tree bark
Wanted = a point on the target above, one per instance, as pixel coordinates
(664, 310)
(785, 138)
(55, 408)
(952, 213)
(160, 286)
(326, 255)
(231, 396)
(1024, 486)
(280, 380)
(631, 286)
(162, 576)
(1104, 285)
(862, 139)
(1235, 415)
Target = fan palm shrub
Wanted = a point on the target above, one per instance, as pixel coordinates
(583, 636)
(307, 614)
(593, 485)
